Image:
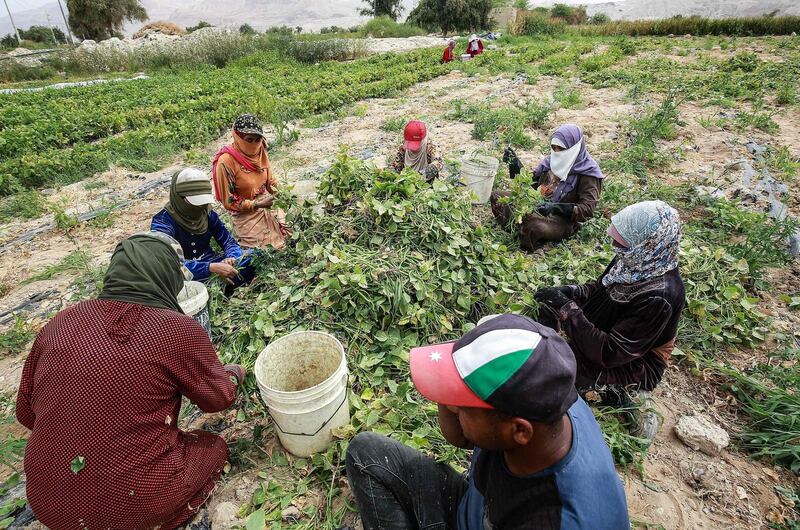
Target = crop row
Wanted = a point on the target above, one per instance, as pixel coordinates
(65, 136)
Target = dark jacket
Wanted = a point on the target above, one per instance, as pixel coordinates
(584, 196)
(624, 334)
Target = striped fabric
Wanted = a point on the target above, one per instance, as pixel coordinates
(493, 358)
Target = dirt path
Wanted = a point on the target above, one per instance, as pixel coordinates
(680, 488)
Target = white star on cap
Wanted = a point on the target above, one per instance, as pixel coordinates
(436, 356)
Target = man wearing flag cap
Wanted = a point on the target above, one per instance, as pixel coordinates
(506, 389)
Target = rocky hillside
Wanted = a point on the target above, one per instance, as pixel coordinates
(261, 14)
(649, 9)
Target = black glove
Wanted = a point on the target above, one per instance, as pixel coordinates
(514, 164)
(431, 173)
(545, 208)
(552, 297)
(562, 209)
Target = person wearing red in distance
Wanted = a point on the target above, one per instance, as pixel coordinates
(506, 389)
(448, 55)
(475, 46)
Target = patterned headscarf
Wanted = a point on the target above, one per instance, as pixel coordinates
(652, 230)
(255, 153)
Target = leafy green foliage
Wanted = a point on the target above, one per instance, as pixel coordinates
(524, 199)
(40, 34)
(24, 205)
(599, 18)
(537, 24)
(384, 27)
(505, 124)
(15, 338)
(12, 447)
(200, 25)
(698, 26)
(568, 98)
(139, 124)
(452, 15)
(390, 9)
(396, 124)
(247, 29)
(752, 236)
(641, 154)
(89, 19)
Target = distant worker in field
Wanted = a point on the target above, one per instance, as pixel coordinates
(622, 327)
(189, 219)
(475, 45)
(101, 391)
(505, 390)
(245, 185)
(449, 52)
(418, 152)
(570, 180)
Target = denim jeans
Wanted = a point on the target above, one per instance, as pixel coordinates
(399, 488)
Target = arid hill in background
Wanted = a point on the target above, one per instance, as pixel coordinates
(261, 14)
(314, 14)
(648, 9)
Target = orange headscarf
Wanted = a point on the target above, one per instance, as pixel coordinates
(255, 153)
(251, 172)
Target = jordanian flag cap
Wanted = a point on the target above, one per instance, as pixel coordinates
(509, 363)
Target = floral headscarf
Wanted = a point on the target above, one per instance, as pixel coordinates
(652, 230)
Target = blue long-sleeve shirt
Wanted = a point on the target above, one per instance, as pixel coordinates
(197, 248)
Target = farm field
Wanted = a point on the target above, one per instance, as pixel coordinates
(698, 122)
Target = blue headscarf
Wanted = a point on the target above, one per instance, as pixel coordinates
(584, 165)
(652, 230)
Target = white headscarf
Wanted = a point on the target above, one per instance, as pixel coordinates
(418, 160)
(561, 162)
(473, 42)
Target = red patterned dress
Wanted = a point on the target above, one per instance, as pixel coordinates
(101, 391)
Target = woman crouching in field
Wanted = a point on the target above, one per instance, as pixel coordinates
(245, 185)
(101, 391)
(622, 327)
(570, 180)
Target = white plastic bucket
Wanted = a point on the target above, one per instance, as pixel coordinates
(303, 381)
(478, 173)
(193, 299)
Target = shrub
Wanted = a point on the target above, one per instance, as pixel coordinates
(569, 14)
(753, 26)
(452, 15)
(247, 29)
(537, 24)
(326, 50)
(200, 25)
(27, 204)
(13, 72)
(386, 27)
(599, 18)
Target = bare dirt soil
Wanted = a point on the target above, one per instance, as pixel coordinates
(679, 489)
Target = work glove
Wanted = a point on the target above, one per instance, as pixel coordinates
(561, 209)
(514, 164)
(431, 173)
(552, 297)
